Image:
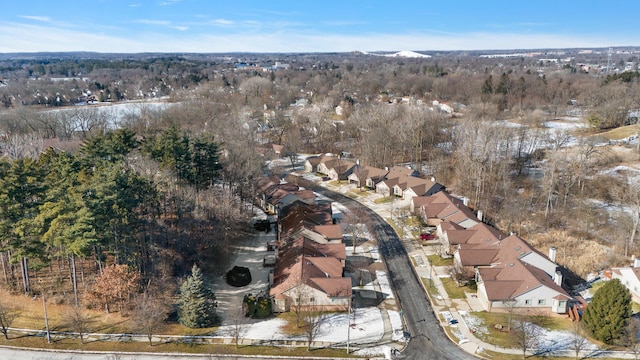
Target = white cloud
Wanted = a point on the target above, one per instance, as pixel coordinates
(169, 2)
(152, 22)
(36, 18)
(135, 5)
(222, 22)
(178, 27)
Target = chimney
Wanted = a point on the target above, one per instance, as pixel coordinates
(557, 278)
(433, 179)
(636, 263)
(480, 215)
(465, 201)
(358, 162)
(386, 168)
(552, 253)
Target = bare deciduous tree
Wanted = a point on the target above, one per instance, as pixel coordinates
(579, 341)
(78, 320)
(238, 325)
(312, 319)
(151, 309)
(525, 334)
(7, 315)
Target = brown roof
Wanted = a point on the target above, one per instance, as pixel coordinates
(303, 261)
(266, 182)
(444, 206)
(510, 279)
(318, 159)
(299, 214)
(457, 237)
(341, 166)
(397, 171)
(477, 257)
(339, 287)
(331, 232)
(448, 225)
(501, 290)
(364, 172)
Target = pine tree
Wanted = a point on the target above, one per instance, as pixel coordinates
(196, 304)
(607, 315)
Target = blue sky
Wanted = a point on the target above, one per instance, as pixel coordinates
(313, 26)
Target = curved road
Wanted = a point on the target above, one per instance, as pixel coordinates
(428, 340)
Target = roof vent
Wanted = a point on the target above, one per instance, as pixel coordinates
(510, 264)
(517, 248)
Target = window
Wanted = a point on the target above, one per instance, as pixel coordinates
(542, 302)
(527, 302)
(561, 304)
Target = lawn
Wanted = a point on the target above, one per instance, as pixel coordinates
(431, 289)
(383, 200)
(501, 337)
(454, 291)
(437, 260)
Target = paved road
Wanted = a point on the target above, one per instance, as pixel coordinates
(428, 340)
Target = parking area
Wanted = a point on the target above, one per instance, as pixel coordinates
(249, 253)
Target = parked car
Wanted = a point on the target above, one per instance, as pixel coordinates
(426, 236)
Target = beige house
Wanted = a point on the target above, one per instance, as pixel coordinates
(368, 176)
(308, 274)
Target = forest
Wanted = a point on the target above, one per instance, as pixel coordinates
(164, 188)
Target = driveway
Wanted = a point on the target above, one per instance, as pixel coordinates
(248, 253)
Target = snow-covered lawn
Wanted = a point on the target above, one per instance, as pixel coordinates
(549, 340)
(367, 328)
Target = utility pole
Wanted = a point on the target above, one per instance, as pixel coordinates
(46, 319)
(349, 324)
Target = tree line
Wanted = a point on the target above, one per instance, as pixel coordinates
(146, 204)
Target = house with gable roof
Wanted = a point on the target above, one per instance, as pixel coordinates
(511, 273)
(368, 176)
(310, 260)
(337, 168)
(310, 274)
(394, 176)
(313, 163)
(443, 207)
(629, 276)
(411, 186)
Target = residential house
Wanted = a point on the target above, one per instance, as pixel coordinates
(368, 176)
(337, 168)
(270, 150)
(510, 273)
(441, 207)
(411, 186)
(322, 234)
(308, 274)
(299, 215)
(273, 195)
(312, 163)
(629, 276)
(480, 234)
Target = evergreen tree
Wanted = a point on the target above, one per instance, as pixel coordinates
(196, 304)
(607, 315)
